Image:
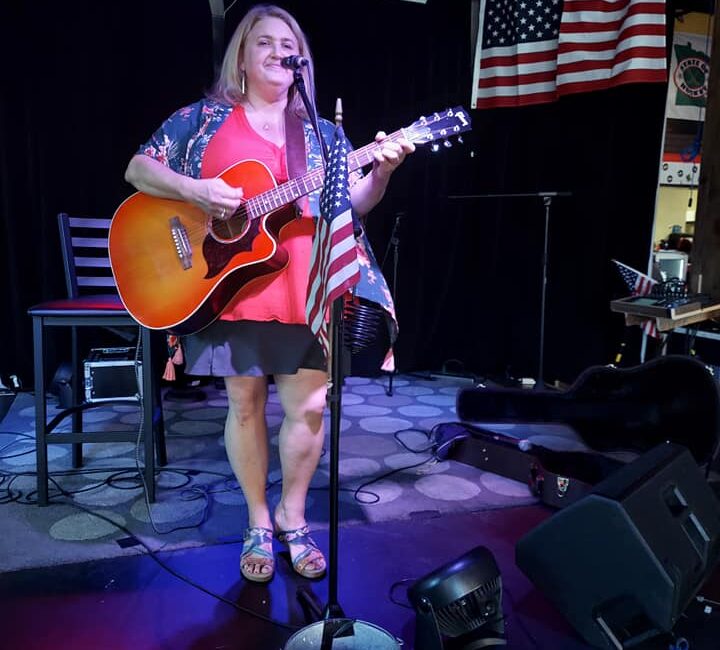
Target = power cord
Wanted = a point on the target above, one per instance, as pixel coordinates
(204, 492)
(121, 478)
(179, 575)
(195, 493)
(68, 500)
(429, 436)
(433, 448)
(123, 474)
(19, 438)
(702, 599)
(394, 586)
(361, 488)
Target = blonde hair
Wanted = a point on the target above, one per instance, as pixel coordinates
(229, 86)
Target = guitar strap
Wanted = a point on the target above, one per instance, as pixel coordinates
(295, 151)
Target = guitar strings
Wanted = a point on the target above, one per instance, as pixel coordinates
(276, 197)
(260, 204)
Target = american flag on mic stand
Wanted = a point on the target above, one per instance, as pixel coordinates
(333, 263)
(639, 285)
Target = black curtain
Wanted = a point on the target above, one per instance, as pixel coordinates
(86, 82)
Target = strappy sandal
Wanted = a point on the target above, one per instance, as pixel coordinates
(253, 554)
(307, 559)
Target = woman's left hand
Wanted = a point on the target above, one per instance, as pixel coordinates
(389, 155)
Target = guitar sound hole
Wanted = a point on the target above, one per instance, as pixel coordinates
(232, 229)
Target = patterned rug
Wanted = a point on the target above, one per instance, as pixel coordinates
(386, 473)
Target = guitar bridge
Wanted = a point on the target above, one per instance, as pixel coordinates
(181, 242)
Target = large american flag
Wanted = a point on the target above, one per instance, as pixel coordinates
(333, 263)
(639, 284)
(533, 51)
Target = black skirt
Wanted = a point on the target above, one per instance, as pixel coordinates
(251, 349)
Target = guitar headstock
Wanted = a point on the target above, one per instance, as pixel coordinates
(439, 127)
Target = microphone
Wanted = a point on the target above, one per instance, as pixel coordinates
(294, 62)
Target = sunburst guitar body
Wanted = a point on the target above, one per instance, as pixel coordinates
(176, 268)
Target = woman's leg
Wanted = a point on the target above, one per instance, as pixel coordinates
(302, 396)
(247, 450)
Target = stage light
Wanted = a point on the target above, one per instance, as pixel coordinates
(459, 605)
(623, 563)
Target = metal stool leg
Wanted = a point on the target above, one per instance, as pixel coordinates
(40, 411)
(76, 383)
(147, 406)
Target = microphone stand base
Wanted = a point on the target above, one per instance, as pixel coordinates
(313, 609)
(338, 633)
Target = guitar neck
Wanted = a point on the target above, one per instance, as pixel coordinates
(261, 204)
(442, 125)
(365, 155)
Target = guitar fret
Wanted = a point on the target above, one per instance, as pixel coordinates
(317, 179)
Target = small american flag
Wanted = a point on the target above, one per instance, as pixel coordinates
(639, 284)
(333, 263)
(533, 51)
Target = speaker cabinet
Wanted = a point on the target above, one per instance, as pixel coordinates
(623, 563)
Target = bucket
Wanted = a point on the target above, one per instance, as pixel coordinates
(350, 635)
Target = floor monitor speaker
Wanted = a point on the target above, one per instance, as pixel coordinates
(622, 563)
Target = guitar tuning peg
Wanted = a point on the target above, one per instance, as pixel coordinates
(447, 144)
(434, 147)
(460, 140)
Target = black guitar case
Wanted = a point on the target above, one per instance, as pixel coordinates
(672, 398)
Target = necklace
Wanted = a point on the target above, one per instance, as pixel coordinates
(267, 123)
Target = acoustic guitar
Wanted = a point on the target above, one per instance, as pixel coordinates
(176, 268)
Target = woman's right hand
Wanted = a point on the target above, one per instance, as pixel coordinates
(214, 196)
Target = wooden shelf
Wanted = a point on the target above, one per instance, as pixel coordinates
(669, 324)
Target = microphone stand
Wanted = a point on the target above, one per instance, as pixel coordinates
(299, 82)
(308, 600)
(547, 198)
(395, 243)
(335, 625)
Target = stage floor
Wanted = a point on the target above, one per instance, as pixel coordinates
(134, 603)
(70, 580)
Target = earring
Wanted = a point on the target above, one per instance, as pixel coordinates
(242, 82)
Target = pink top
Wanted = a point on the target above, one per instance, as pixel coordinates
(279, 296)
